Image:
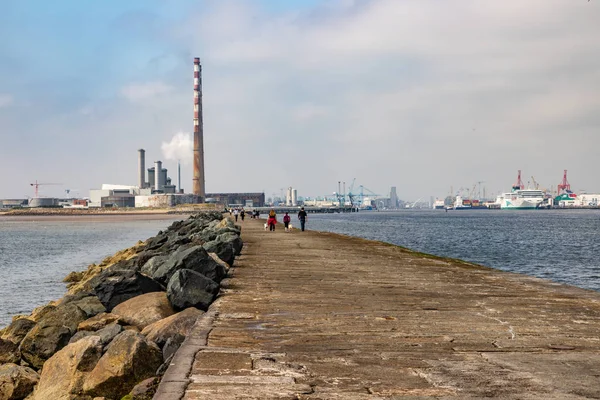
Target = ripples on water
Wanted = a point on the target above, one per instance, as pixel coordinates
(36, 255)
(560, 245)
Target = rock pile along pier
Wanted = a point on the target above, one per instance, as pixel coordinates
(116, 330)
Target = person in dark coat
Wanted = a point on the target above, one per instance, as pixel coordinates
(302, 216)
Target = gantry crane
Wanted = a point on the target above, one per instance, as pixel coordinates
(564, 185)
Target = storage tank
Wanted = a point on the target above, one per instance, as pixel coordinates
(163, 177)
(43, 202)
(294, 197)
(151, 178)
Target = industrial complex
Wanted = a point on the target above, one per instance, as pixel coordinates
(154, 187)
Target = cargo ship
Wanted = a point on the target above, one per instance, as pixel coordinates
(468, 204)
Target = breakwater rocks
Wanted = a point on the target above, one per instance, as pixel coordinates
(115, 331)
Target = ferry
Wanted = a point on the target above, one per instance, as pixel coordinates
(521, 199)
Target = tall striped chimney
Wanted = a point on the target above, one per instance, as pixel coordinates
(198, 179)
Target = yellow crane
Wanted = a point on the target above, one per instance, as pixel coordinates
(535, 184)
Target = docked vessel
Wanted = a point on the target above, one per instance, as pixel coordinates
(439, 205)
(468, 204)
(521, 199)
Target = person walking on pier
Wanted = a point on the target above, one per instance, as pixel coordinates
(286, 221)
(302, 216)
(272, 220)
(235, 214)
(242, 214)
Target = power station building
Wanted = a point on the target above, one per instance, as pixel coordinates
(237, 199)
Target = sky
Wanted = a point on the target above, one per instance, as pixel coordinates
(424, 95)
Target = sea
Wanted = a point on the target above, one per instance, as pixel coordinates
(36, 253)
(559, 245)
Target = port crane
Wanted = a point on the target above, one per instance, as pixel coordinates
(564, 185)
(362, 193)
(36, 186)
(519, 184)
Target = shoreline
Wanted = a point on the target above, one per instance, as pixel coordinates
(92, 217)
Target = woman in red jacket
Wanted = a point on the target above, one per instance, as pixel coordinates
(272, 220)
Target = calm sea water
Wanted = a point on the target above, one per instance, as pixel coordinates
(559, 245)
(37, 253)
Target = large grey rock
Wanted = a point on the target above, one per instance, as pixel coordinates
(195, 258)
(145, 309)
(114, 286)
(178, 324)
(64, 373)
(91, 305)
(106, 334)
(232, 238)
(51, 334)
(157, 241)
(188, 288)
(224, 250)
(16, 382)
(128, 359)
(17, 330)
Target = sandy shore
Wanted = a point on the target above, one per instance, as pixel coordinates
(95, 217)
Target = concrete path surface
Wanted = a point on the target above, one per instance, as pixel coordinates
(311, 315)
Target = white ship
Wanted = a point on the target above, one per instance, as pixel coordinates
(521, 199)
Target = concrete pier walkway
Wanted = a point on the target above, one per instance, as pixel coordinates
(311, 315)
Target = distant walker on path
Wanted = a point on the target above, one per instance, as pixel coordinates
(302, 216)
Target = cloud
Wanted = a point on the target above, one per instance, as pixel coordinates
(418, 94)
(137, 92)
(411, 86)
(180, 147)
(6, 100)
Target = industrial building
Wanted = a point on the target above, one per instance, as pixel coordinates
(237, 199)
(12, 203)
(291, 197)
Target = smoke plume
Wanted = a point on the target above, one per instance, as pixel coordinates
(179, 148)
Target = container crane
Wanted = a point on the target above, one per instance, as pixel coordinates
(519, 183)
(536, 185)
(564, 185)
(362, 193)
(36, 185)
